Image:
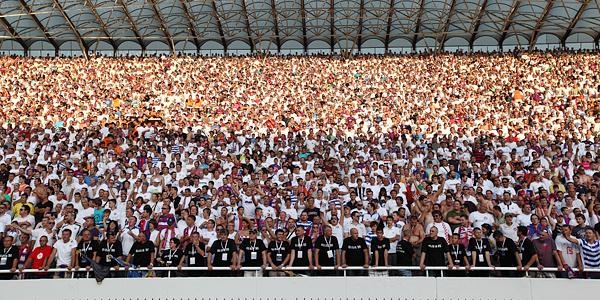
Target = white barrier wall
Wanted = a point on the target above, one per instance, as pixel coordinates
(300, 288)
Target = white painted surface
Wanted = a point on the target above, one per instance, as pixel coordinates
(299, 288)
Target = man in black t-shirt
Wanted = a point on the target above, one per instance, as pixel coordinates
(327, 252)
(479, 247)
(301, 246)
(253, 253)
(435, 252)
(141, 253)
(459, 257)
(86, 252)
(9, 257)
(355, 253)
(507, 254)
(405, 252)
(110, 248)
(194, 255)
(278, 254)
(223, 253)
(171, 257)
(526, 250)
(380, 247)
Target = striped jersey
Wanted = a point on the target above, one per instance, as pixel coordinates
(590, 252)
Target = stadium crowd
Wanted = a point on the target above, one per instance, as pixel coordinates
(422, 160)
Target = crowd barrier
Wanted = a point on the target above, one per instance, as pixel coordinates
(301, 288)
(343, 272)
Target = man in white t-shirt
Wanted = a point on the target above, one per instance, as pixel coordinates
(64, 252)
(394, 234)
(480, 217)
(567, 251)
(524, 219)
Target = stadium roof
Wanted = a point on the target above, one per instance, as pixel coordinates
(304, 25)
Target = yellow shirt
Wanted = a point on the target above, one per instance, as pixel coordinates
(17, 207)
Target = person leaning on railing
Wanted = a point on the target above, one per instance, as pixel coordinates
(9, 257)
(355, 253)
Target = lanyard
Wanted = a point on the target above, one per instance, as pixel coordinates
(86, 247)
(479, 246)
(521, 245)
(300, 243)
(7, 250)
(278, 247)
(328, 243)
(224, 247)
(455, 250)
(253, 246)
(110, 247)
(170, 256)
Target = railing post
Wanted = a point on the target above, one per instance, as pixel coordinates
(426, 273)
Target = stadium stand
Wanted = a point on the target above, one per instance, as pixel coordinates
(435, 163)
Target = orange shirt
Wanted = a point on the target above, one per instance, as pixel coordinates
(518, 95)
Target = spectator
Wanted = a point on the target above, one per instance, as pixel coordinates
(547, 254)
(278, 254)
(479, 247)
(9, 257)
(590, 251)
(252, 253)
(38, 259)
(64, 253)
(224, 252)
(171, 257)
(141, 254)
(380, 246)
(569, 253)
(435, 252)
(194, 255)
(355, 253)
(507, 254)
(86, 252)
(109, 252)
(327, 252)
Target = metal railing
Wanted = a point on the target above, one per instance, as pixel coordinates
(71, 272)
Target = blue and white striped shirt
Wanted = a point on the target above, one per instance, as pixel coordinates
(590, 253)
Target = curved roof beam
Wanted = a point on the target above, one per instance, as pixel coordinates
(574, 21)
(219, 25)
(332, 27)
(451, 13)
(134, 28)
(303, 15)
(41, 27)
(276, 25)
(94, 12)
(388, 29)
(418, 24)
(190, 24)
(80, 41)
(13, 33)
(247, 21)
(508, 21)
(540, 22)
(361, 18)
(163, 26)
(477, 23)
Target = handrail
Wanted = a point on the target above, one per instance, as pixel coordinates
(381, 268)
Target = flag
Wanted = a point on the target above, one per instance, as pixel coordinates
(100, 271)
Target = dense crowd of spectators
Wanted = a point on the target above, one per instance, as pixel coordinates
(424, 160)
